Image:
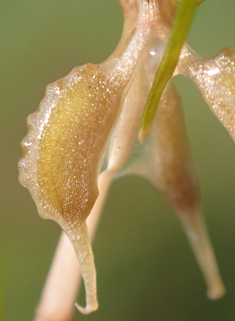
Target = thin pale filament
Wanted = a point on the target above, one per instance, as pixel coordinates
(194, 227)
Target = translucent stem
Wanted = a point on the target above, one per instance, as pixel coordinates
(80, 239)
(62, 284)
(195, 229)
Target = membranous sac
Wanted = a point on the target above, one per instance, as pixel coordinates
(66, 142)
(215, 78)
(85, 133)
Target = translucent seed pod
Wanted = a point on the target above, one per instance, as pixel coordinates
(65, 145)
(165, 160)
(215, 78)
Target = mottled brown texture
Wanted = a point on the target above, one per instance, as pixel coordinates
(72, 142)
(167, 10)
(176, 176)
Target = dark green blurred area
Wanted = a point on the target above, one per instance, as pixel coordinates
(146, 270)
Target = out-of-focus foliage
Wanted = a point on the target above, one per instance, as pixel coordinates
(146, 270)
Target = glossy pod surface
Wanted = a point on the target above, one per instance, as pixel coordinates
(69, 130)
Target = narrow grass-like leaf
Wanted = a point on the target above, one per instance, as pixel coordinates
(181, 25)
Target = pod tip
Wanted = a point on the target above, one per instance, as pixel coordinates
(216, 292)
(88, 309)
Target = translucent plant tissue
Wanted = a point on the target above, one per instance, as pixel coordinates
(85, 133)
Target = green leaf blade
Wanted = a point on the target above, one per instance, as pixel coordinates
(184, 16)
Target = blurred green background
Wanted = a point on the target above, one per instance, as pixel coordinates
(145, 267)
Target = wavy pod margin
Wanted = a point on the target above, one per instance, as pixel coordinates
(65, 143)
